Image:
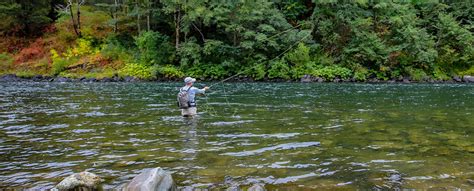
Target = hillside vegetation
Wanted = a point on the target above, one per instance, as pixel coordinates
(260, 39)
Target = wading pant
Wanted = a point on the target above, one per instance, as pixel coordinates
(192, 111)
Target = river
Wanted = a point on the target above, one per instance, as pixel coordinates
(286, 135)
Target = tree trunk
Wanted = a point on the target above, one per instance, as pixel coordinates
(79, 16)
(115, 17)
(148, 15)
(148, 22)
(138, 18)
(72, 18)
(177, 22)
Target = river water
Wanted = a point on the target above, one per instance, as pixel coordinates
(287, 135)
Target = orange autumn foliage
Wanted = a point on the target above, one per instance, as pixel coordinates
(34, 51)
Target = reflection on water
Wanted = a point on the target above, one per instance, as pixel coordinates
(288, 135)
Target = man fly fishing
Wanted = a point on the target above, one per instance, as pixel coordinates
(186, 97)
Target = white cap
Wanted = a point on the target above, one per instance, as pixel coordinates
(189, 80)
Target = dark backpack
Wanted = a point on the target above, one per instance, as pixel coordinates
(183, 99)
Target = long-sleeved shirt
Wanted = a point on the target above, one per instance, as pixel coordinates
(192, 93)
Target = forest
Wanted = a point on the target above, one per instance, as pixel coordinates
(262, 40)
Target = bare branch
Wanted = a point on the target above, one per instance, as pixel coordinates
(202, 35)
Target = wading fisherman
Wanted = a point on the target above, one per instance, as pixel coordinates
(186, 97)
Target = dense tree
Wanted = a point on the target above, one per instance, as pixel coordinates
(260, 39)
(25, 17)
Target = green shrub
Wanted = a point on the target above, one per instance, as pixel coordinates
(469, 72)
(190, 55)
(215, 71)
(382, 75)
(106, 73)
(439, 74)
(136, 70)
(300, 61)
(417, 74)
(168, 71)
(197, 71)
(323, 59)
(257, 72)
(154, 48)
(84, 47)
(25, 74)
(396, 73)
(257, 67)
(299, 56)
(331, 72)
(114, 50)
(59, 64)
(70, 75)
(5, 63)
(361, 74)
(279, 69)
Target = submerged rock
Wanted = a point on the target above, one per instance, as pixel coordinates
(231, 184)
(152, 179)
(83, 180)
(234, 188)
(470, 181)
(257, 187)
(394, 181)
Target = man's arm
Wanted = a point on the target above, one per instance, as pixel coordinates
(201, 91)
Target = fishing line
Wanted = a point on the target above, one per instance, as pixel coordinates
(241, 72)
(251, 68)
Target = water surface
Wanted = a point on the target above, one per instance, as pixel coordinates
(286, 135)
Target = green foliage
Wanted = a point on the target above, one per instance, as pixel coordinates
(154, 48)
(190, 54)
(59, 64)
(6, 62)
(84, 47)
(439, 74)
(261, 39)
(167, 71)
(361, 74)
(214, 71)
(258, 71)
(417, 74)
(456, 42)
(25, 74)
(469, 72)
(26, 17)
(115, 51)
(136, 70)
(300, 60)
(279, 69)
(331, 72)
(107, 73)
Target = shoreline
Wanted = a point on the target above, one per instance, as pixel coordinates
(305, 79)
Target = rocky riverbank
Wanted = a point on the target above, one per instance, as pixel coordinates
(304, 79)
(153, 179)
(158, 179)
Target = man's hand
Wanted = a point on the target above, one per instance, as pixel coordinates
(206, 88)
